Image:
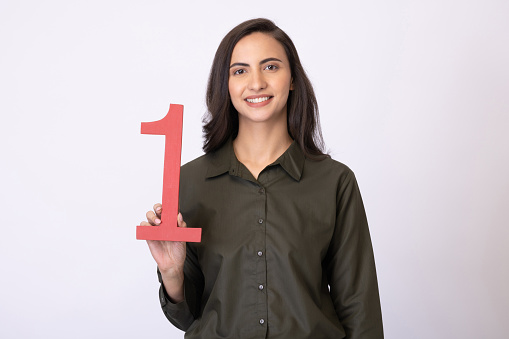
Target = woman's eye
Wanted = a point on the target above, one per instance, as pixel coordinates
(238, 72)
(271, 67)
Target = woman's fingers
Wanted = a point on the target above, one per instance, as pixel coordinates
(155, 218)
(152, 218)
(158, 208)
(180, 221)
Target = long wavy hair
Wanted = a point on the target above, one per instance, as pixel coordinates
(222, 122)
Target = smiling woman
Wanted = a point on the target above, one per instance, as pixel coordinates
(259, 85)
(260, 80)
(302, 108)
(286, 250)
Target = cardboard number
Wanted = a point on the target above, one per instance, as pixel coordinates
(171, 127)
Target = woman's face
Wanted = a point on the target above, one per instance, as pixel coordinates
(260, 79)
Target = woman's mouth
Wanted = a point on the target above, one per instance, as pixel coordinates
(258, 100)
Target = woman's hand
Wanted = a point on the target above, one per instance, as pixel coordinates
(169, 256)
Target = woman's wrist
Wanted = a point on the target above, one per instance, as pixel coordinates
(174, 284)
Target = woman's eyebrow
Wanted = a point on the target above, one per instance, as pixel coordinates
(269, 59)
(261, 62)
(239, 64)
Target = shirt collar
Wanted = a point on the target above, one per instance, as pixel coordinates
(224, 160)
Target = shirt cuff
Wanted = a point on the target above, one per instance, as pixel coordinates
(166, 302)
(178, 314)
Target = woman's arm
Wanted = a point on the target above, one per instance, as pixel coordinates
(171, 258)
(350, 266)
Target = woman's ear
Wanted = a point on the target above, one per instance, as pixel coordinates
(291, 84)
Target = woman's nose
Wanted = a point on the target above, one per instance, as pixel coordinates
(257, 81)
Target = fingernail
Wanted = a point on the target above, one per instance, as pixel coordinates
(158, 209)
(157, 221)
(180, 217)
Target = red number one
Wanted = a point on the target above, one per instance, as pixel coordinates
(171, 127)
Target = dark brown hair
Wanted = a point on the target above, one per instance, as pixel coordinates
(222, 121)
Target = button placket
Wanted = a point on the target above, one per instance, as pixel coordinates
(259, 254)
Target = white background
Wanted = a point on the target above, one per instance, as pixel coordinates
(413, 97)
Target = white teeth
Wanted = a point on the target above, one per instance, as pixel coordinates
(257, 100)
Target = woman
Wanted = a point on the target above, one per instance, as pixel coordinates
(285, 249)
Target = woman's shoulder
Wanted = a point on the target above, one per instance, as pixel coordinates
(328, 167)
(205, 164)
(196, 165)
(197, 162)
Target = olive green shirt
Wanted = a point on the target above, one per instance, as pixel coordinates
(287, 255)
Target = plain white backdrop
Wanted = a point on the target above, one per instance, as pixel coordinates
(414, 97)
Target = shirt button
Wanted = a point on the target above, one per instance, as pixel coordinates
(260, 221)
(262, 321)
(260, 253)
(261, 190)
(260, 287)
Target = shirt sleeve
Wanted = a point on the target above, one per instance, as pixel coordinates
(350, 266)
(183, 314)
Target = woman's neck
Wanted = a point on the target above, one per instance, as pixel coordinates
(257, 145)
